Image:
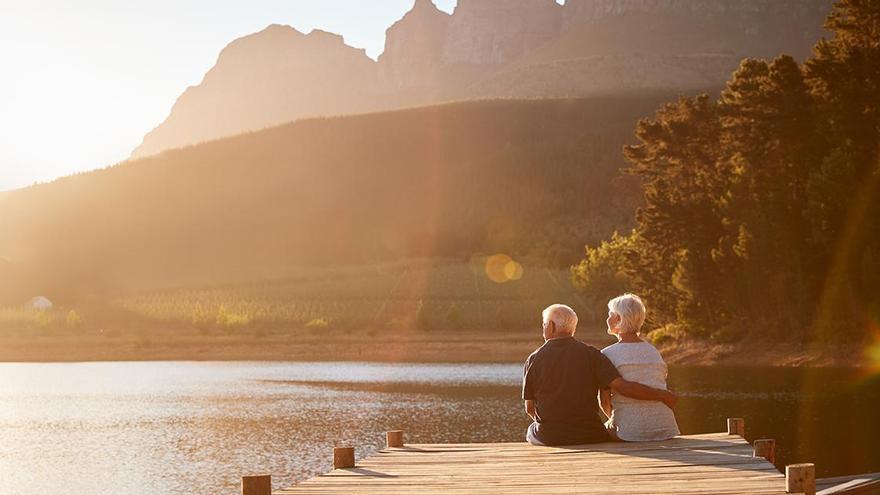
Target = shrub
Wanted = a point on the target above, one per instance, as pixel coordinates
(602, 274)
(43, 318)
(665, 335)
(318, 323)
(229, 319)
(200, 318)
(73, 319)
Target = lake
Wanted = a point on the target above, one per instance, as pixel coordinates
(186, 427)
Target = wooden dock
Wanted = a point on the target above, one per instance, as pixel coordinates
(715, 463)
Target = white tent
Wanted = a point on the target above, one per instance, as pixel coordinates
(40, 303)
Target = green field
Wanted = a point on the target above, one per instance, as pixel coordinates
(423, 294)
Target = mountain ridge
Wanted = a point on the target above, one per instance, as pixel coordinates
(485, 49)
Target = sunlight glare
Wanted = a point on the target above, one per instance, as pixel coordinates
(501, 268)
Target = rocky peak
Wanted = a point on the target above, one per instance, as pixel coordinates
(495, 32)
(321, 36)
(271, 38)
(413, 46)
(273, 76)
(424, 5)
(486, 48)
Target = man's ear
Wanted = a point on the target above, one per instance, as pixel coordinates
(551, 328)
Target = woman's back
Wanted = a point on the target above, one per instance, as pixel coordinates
(637, 420)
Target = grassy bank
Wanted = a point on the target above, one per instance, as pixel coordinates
(317, 345)
(483, 309)
(488, 346)
(445, 294)
(426, 310)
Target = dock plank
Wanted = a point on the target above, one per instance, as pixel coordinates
(714, 463)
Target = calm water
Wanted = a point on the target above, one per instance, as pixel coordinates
(181, 428)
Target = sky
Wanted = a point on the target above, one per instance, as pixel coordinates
(82, 82)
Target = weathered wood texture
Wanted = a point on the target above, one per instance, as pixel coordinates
(801, 478)
(736, 426)
(714, 463)
(858, 484)
(766, 448)
(343, 457)
(394, 438)
(256, 485)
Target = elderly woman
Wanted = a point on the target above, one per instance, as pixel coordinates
(634, 420)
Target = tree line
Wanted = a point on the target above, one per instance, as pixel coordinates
(761, 213)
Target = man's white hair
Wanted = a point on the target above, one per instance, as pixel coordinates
(564, 317)
(631, 310)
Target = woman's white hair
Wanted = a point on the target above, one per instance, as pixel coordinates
(631, 310)
(563, 316)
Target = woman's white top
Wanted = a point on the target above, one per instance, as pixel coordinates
(640, 420)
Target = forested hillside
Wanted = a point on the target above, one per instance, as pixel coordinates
(533, 179)
(761, 207)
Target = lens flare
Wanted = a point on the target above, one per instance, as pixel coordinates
(495, 265)
(501, 268)
(513, 270)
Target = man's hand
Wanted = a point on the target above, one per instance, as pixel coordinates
(643, 392)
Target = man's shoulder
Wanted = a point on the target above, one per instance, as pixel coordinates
(537, 352)
(595, 355)
(587, 348)
(580, 346)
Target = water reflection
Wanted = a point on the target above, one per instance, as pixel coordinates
(176, 428)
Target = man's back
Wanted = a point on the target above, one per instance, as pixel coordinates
(563, 377)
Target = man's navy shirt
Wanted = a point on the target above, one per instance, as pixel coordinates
(563, 377)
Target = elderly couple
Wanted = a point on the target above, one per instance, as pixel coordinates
(567, 382)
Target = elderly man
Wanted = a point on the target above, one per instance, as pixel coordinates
(562, 379)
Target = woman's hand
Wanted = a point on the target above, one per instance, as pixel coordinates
(670, 400)
(530, 410)
(605, 402)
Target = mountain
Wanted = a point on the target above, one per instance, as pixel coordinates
(492, 33)
(609, 46)
(759, 28)
(487, 49)
(265, 79)
(537, 178)
(409, 66)
(740, 28)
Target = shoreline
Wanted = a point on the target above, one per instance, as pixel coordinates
(774, 354)
(412, 347)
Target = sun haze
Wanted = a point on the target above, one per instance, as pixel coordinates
(82, 83)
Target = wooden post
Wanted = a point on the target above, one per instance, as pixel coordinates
(800, 478)
(766, 448)
(343, 457)
(736, 426)
(394, 438)
(256, 485)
